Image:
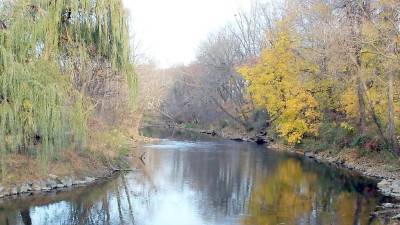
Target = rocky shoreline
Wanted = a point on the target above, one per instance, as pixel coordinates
(259, 138)
(52, 184)
(388, 182)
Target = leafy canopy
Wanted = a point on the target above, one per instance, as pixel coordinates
(279, 82)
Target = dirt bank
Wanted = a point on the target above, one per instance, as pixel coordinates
(74, 170)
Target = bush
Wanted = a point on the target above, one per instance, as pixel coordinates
(223, 124)
(190, 125)
(367, 142)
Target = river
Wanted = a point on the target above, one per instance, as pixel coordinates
(201, 181)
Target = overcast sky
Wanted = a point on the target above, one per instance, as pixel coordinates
(171, 30)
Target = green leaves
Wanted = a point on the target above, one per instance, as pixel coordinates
(46, 56)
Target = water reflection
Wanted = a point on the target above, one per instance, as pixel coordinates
(292, 195)
(196, 183)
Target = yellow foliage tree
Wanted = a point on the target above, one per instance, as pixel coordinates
(281, 81)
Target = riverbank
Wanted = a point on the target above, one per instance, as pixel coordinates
(374, 165)
(109, 148)
(378, 166)
(241, 136)
(371, 165)
(75, 170)
(55, 183)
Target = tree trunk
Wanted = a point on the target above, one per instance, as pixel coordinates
(358, 13)
(374, 115)
(360, 83)
(234, 118)
(361, 104)
(391, 123)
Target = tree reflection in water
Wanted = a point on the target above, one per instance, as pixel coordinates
(292, 195)
(212, 183)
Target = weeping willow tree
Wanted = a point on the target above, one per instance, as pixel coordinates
(46, 47)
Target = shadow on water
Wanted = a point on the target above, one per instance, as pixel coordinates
(210, 182)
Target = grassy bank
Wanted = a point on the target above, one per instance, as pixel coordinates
(108, 149)
(67, 89)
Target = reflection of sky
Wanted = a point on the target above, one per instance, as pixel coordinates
(173, 208)
(169, 204)
(51, 214)
(190, 184)
(174, 202)
(181, 145)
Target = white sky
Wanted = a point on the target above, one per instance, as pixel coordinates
(170, 31)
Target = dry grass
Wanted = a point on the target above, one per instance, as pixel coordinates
(25, 169)
(107, 146)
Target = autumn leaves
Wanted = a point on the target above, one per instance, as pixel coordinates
(333, 63)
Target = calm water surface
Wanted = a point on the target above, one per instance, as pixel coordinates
(209, 183)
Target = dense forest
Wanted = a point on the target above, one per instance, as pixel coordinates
(313, 73)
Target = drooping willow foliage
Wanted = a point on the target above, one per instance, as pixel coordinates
(46, 47)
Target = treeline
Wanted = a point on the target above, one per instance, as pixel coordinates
(209, 93)
(315, 71)
(65, 66)
(330, 71)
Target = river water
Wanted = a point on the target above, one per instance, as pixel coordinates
(187, 181)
